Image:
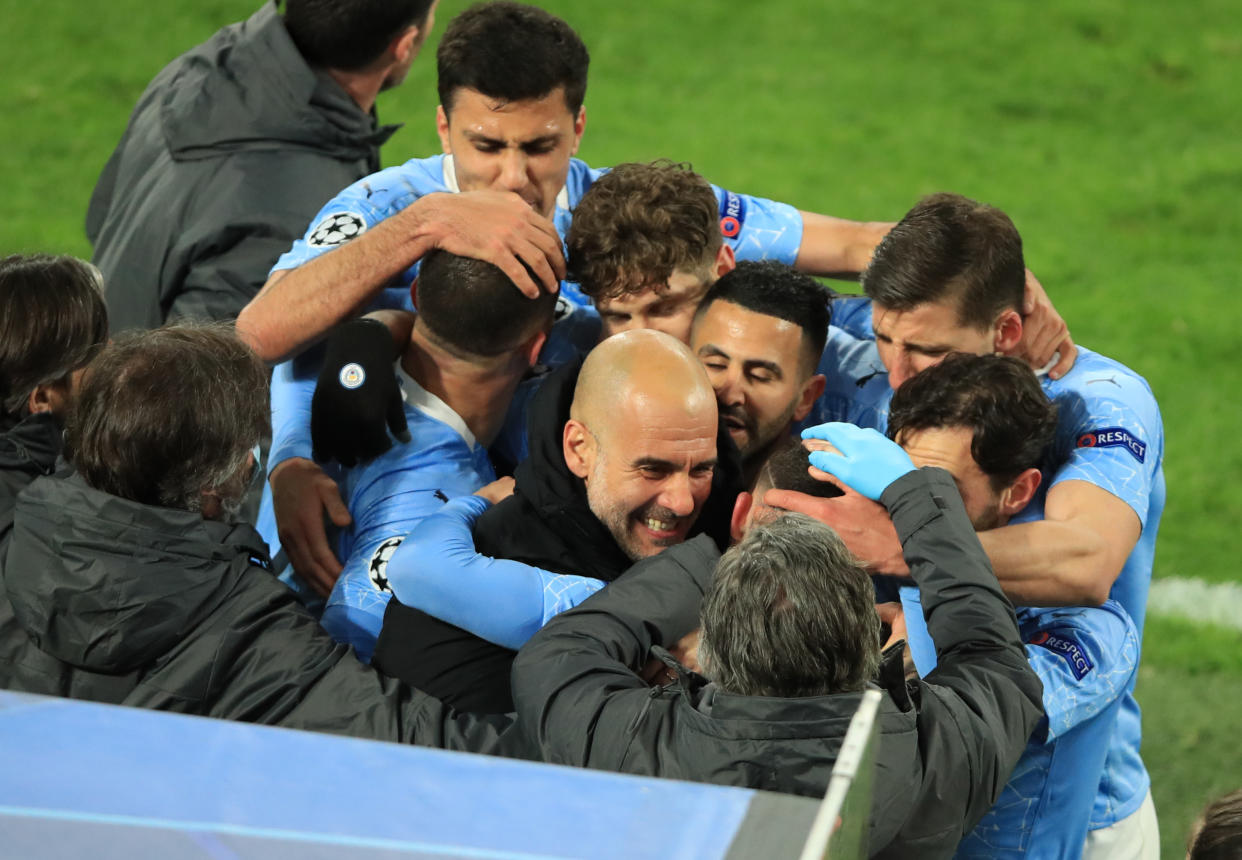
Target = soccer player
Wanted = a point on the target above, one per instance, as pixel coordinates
(474, 338)
(949, 278)
(986, 421)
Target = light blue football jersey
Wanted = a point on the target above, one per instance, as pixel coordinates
(387, 497)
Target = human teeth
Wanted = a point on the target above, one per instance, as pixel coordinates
(659, 525)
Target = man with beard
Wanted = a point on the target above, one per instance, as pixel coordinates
(623, 453)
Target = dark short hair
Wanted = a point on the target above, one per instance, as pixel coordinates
(472, 308)
(950, 247)
(54, 321)
(998, 398)
(776, 290)
(790, 613)
(787, 469)
(1220, 837)
(164, 415)
(640, 223)
(511, 52)
(349, 34)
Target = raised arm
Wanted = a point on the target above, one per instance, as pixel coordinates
(297, 306)
(836, 247)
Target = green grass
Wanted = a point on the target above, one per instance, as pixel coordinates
(1109, 131)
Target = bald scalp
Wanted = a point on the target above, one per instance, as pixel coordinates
(636, 370)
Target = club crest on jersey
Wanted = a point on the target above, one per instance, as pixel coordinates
(1114, 437)
(1068, 650)
(732, 215)
(336, 230)
(352, 375)
(377, 570)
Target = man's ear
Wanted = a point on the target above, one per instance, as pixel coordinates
(51, 397)
(404, 45)
(1019, 494)
(811, 391)
(726, 262)
(1007, 333)
(579, 448)
(579, 127)
(530, 352)
(741, 510)
(442, 129)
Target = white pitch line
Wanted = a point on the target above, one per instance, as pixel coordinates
(1192, 599)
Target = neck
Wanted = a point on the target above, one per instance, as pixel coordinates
(479, 394)
(362, 86)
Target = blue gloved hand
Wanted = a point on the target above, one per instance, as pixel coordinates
(868, 461)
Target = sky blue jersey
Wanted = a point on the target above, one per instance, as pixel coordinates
(389, 496)
(1110, 434)
(756, 228)
(1086, 658)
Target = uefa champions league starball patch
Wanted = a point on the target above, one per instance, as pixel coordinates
(336, 230)
(377, 569)
(352, 375)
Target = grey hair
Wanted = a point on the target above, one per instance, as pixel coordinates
(790, 613)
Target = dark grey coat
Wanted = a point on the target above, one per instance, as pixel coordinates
(137, 605)
(229, 154)
(947, 744)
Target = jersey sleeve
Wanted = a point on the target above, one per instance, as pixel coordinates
(759, 229)
(1086, 658)
(1110, 434)
(293, 388)
(438, 571)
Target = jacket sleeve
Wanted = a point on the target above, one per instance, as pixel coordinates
(575, 685)
(274, 665)
(980, 705)
(227, 271)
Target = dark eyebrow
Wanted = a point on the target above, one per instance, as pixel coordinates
(669, 465)
(713, 350)
(761, 364)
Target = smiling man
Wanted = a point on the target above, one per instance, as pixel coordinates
(622, 460)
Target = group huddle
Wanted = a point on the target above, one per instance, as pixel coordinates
(569, 464)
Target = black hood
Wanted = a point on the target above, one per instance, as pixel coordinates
(109, 585)
(547, 521)
(210, 104)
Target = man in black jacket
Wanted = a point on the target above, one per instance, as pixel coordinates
(790, 639)
(130, 585)
(622, 459)
(236, 144)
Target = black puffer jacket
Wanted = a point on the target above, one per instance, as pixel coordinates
(947, 744)
(548, 523)
(136, 605)
(229, 154)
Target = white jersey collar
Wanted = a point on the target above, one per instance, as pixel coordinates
(450, 184)
(431, 406)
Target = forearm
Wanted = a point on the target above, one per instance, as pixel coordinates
(297, 306)
(837, 247)
(1049, 563)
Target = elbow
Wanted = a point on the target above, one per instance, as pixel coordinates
(254, 334)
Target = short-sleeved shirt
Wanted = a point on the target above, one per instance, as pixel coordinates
(387, 497)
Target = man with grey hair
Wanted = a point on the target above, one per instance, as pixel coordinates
(131, 585)
(790, 639)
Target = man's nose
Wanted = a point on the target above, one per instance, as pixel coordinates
(902, 370)
(677, 496)
(513, 170)
(729, 388)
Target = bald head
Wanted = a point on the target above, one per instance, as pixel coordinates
(640, 370)
(642, 436)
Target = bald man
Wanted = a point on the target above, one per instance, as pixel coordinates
(622, 460)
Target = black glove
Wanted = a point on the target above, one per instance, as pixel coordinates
(357, 395)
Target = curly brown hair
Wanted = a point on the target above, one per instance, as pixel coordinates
(638, 224)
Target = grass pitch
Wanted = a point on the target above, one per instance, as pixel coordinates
(1108, 131)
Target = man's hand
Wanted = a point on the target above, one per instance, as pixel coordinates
(865, 460)
(1044, 333)
(357, 399)
(501, 228)
(863, 525)
(894, 616)
(497, 490)
(301, 495)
